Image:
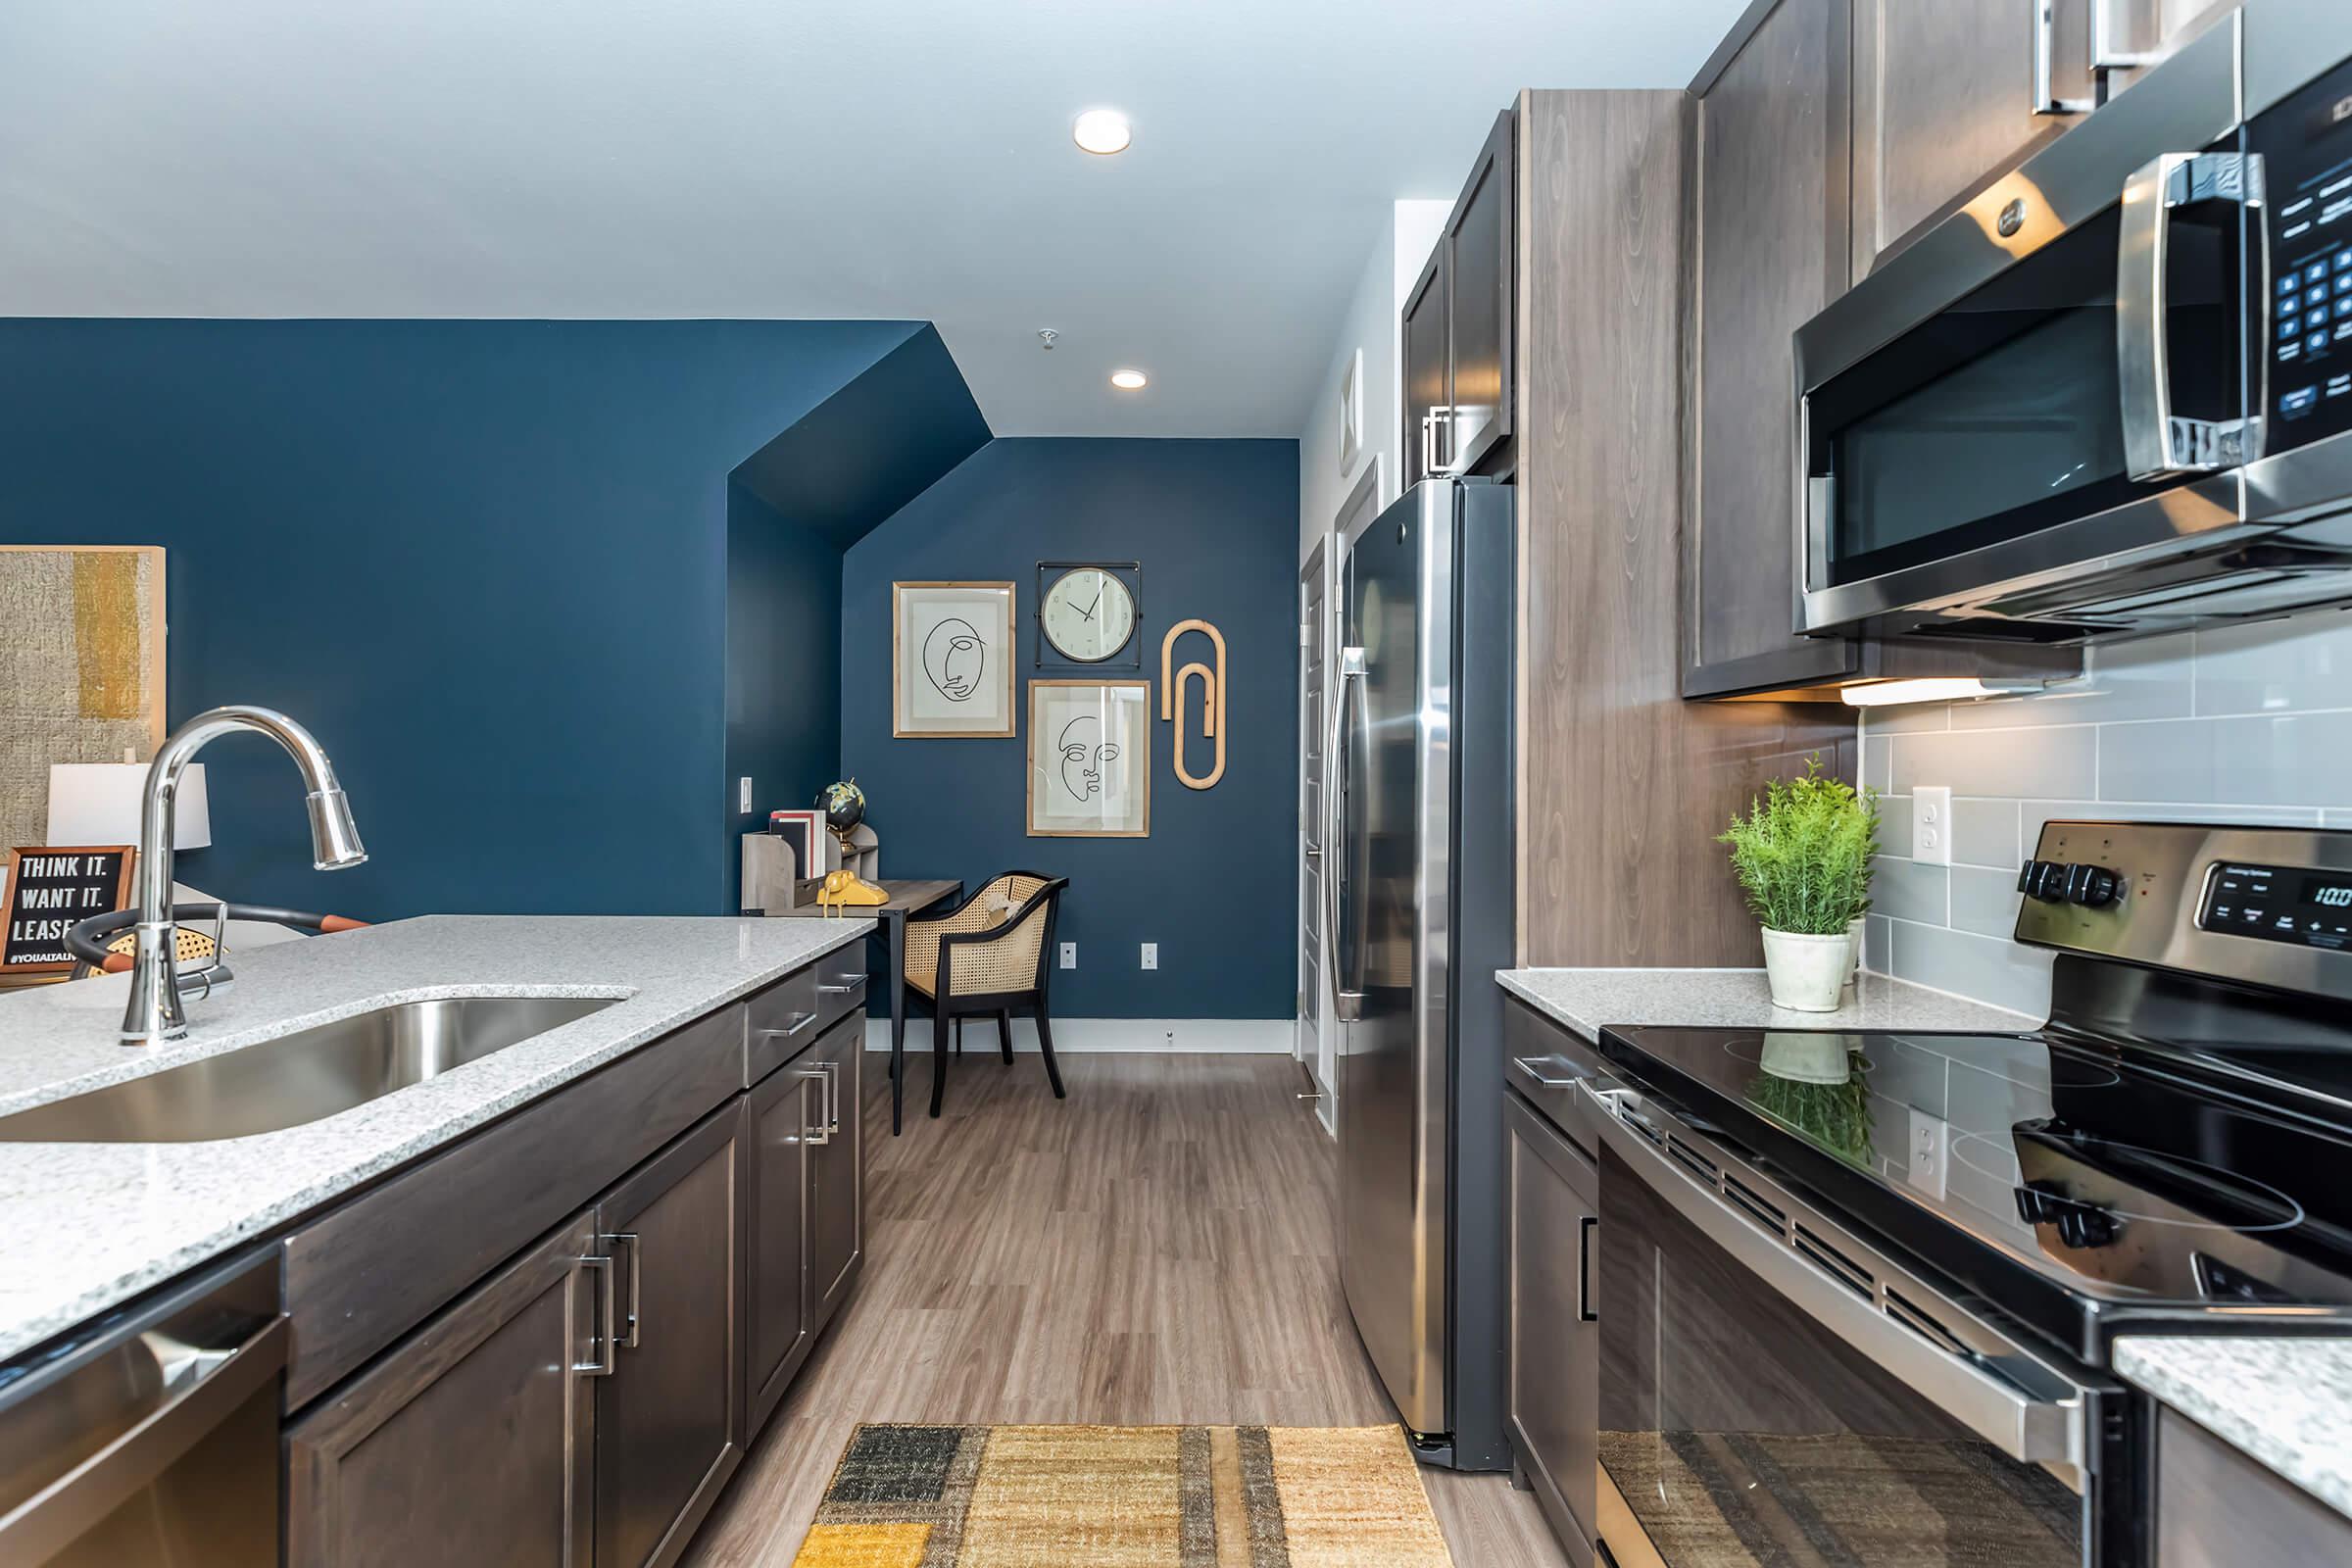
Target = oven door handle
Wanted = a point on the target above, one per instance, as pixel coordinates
(2157, 443)
(2029, 1430)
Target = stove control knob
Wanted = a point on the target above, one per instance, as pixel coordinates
(2093, 886)
(2044, 880)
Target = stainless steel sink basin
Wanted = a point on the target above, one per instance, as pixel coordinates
(300, 1077)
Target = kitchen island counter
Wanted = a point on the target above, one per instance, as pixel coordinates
(85, 1226)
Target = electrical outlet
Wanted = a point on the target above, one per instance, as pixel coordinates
(1151, 954)
(1070, 954)
(1931, 824)
(743, 795)
(1928, 1154)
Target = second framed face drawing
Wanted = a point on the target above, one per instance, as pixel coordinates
(1089, 759)
(952, 658)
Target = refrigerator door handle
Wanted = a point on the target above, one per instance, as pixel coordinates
(1347, 1002)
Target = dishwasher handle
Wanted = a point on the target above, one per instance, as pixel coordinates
(204, 1388)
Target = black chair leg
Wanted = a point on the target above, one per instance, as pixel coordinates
(938, 1059)
(959, 1037)
(1004, 1035)
(1045, 1043)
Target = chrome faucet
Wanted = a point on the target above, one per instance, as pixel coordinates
(154, 1014)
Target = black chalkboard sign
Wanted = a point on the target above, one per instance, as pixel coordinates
(52, 889)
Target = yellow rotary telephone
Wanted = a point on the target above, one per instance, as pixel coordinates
(843, 887)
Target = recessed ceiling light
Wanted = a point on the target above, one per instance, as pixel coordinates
(1129, 380)
(1101, 130)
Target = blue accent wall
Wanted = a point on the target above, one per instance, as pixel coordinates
(485, 562)
(1216, 526)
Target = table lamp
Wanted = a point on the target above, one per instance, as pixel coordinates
(98, 803)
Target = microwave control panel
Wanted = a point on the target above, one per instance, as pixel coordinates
(2306, 147)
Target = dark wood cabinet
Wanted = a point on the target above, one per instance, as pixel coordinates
(836, 1169)
(471, 1442)
(1554, 1327)
(1772, 253)
(670, 1418)
(2216, 1507)
(779, 1115)
(1824, 132)
(1458, 324)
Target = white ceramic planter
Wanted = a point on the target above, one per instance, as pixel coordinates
(1807, 1059)
(1807, 972)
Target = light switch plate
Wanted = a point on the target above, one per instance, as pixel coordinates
(1070, 954)
(1151, 954)
(743, 795)
(1931, 824)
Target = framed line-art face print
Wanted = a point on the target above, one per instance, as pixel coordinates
(1089, 759)
(951, 659)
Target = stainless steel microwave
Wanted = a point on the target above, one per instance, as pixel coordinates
(2112, 395)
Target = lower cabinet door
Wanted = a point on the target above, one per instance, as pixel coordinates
(1554, 1328)
(668, 1419)
(469, 1441)
(778, 1114)
(837, 1169)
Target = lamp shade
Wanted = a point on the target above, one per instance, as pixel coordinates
(98, 803)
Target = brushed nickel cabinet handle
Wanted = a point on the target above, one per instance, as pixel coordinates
(801, 1021)
(625, 1331)
(607, 1349)
(2045, 46)
(822, 1133)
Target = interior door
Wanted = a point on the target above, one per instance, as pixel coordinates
(1392, 1136)
(669, 1428)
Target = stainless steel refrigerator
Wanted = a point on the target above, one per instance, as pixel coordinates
(1421, 917)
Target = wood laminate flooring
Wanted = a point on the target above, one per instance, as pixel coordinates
(1158, 1248)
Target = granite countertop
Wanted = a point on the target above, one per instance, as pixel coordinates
(84, 1226)
(2285, 1401)
(1587, 1000)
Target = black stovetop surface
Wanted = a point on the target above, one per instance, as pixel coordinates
(2082, 1187)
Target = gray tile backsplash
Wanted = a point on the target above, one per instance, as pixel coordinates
(2245, 724)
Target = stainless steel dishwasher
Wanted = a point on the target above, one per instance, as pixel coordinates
(150, 1434)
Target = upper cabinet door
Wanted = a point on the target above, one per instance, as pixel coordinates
(1427, 379)
(1480, 238)
(1943, 100)
(1772, 208)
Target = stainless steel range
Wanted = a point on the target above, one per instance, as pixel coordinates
(1859, 1290)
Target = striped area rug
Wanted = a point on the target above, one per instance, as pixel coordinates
(913, 1497)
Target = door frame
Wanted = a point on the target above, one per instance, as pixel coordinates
(1366, 498)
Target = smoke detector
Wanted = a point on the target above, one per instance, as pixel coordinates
(1046, 336)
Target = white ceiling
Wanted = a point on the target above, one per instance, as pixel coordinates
(779, 158)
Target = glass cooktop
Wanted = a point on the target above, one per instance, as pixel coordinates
(2070, 1183)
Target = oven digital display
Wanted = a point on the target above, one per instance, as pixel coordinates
(2279, 903)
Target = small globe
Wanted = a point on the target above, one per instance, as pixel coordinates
(844, 805)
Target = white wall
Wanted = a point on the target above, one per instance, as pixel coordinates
(1396, 256)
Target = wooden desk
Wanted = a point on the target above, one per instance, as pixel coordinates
(905, 897)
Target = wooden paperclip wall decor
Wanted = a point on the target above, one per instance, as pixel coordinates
(1212, 700)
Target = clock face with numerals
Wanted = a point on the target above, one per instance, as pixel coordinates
(1088, 614)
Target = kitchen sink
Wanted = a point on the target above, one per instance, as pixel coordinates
(300, 1077)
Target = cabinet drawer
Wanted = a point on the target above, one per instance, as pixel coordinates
(785, 1020)
(362, 1275)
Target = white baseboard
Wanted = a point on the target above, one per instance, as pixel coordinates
(1252, 1037)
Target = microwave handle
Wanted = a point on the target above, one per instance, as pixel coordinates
(2158, 445)
(2026, 1429)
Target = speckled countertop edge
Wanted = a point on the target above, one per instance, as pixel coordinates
(1588, 1001)
(85, 1226)
(2284, 1402)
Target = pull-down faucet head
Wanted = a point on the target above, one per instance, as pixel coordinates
(154, 1012)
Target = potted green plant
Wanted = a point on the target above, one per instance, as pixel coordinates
(1804, 855)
